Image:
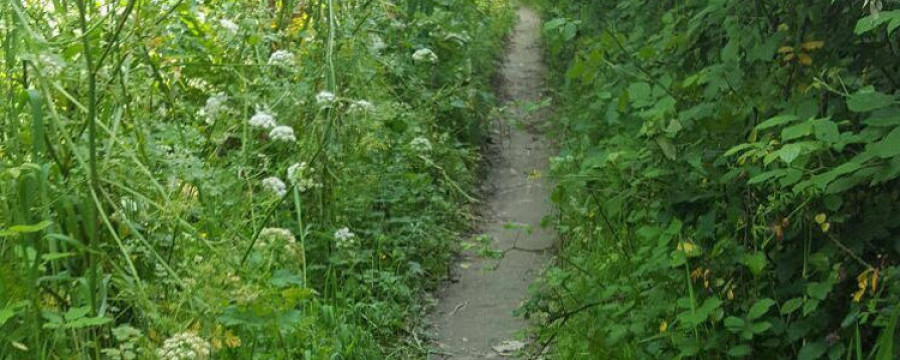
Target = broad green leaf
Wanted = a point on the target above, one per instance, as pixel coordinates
(739, 351)
(88, 322)
(867, 99)
(667, 147)
(735, 324)
(791, 305)
(826, 130)
(25, 229)
(789, 153)
(777, 121)
(760, 327)
(755, 262)
(812, 351)
(760, 308)
(889, 146)
(796, 131)
(10, 310)
(818, 290)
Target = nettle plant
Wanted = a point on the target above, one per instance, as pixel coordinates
(201, 179)
(727, 182)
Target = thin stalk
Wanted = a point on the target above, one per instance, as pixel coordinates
(92, 138)
(298, 206)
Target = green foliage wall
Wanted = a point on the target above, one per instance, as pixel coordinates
(727, 182)
(148, 202)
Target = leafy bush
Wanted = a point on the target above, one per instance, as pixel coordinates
(237, 179)
(728, 180)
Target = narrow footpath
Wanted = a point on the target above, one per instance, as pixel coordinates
(474, 318)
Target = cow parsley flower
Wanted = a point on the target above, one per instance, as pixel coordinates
(344, 237)
(425, 55)
(184, 346)
(298, 174)
(215, 105)
(278, 235)
(325, 98)
(278, 238)
(51, 66)
(282, 133)
(420, 144)
(281, 57)
(229, 25)
(376, 44)
(262, 120)
(361, 106)
(275, 185)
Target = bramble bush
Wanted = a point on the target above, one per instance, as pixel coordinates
(235, 179)
(727, 180)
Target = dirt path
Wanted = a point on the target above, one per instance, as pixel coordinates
(475, 313)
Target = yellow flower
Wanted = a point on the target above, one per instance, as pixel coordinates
(663, 327)
(863, 281)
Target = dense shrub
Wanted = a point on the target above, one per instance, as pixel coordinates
(245, 179)
(727, 182)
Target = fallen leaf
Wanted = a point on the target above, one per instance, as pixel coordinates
(508, 347)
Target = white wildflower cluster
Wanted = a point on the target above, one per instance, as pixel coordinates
(274, 185)
(199, 84)
(282, 133)
(51, 66)
(362, 106)
(325, 98)
(376, 44)
(184, 346)
(299, 175)
(279, 239)
(424, 55)
(229, 25)
(262, 120)
(420, 144)
(345, 238)
(215, 105)
(282, 57)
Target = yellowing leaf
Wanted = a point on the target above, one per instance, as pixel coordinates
(820, 219)
(663, 327)
(785, 49)
(812, 45)
(804, 59)
(825, 227)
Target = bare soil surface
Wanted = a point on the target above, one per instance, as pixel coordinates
(474, 318)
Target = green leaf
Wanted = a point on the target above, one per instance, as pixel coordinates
(789, 152)
(818, 290)
(777, 121)
(760, 308)
(791, 305)
(26, 229)
(88, 322)
(812, 351)
(755, 262)
(10, 310)
(640, 94)
(887, 147)
(826, 130)
(739, 351)
(867, 99)
(284, 278)
(796, 131)
(76, 313)
(760, 327)
(735, 324)
(667, 147)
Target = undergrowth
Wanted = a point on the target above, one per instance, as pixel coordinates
(235, 179)
(727, 180)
